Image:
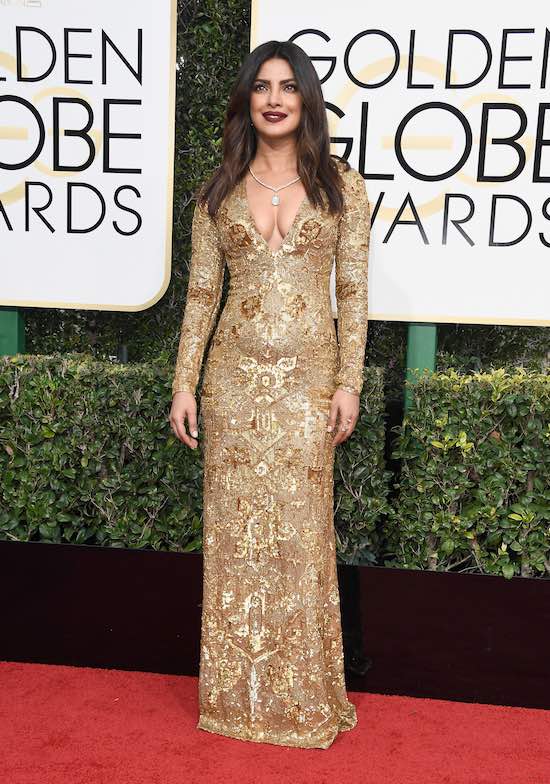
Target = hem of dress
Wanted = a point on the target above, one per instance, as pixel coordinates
(211, 725)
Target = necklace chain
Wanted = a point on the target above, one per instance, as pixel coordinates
(275, 199)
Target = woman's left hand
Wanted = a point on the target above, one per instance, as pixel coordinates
(344, 413)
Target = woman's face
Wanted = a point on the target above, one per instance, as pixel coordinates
(275, 90)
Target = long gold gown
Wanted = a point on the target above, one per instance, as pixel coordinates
(271, 654)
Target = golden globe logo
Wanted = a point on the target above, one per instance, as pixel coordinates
(57, 102)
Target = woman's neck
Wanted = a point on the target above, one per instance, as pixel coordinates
(274, 158)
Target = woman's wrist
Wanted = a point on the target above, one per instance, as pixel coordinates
(351, 390)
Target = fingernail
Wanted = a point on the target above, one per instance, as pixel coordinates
(329, 428)
(194, 433)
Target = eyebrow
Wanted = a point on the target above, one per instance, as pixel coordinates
(281, 81)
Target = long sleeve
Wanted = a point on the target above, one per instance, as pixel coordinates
(351, 282)
(203, 299)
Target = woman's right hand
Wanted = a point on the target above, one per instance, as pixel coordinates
(184, 407)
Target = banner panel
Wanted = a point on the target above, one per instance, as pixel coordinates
(444, 110)
(87, 104)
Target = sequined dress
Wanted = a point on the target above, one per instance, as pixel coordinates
(271, 654)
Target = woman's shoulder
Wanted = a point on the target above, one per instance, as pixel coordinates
(351, 178)
(353, 181)
(204, 184)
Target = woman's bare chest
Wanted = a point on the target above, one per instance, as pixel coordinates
(297, 230)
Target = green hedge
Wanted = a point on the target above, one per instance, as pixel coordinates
(361, 481)
(87, 456)
(474, 490)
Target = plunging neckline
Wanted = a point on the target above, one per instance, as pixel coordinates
(252, 222)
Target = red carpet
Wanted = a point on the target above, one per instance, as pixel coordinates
(71, 725)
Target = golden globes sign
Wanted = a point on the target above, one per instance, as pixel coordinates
(86, 152)
(445, 111)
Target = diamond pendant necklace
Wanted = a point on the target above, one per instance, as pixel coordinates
(275, 198)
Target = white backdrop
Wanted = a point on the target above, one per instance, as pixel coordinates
(49, 265)
(416, 273)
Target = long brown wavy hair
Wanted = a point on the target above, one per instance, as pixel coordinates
(315, 163)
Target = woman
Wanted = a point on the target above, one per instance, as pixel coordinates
(277, 383)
